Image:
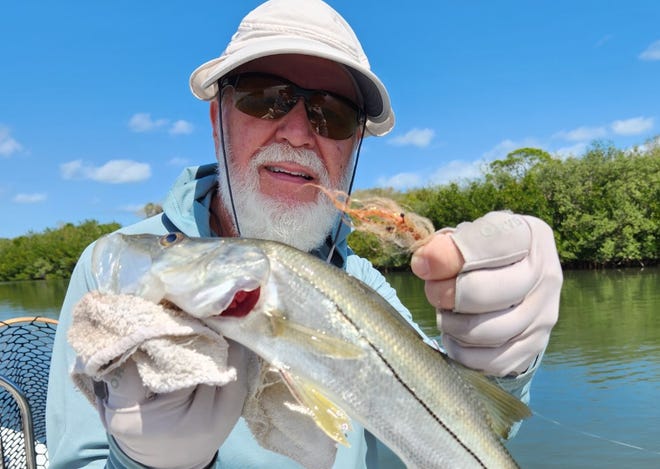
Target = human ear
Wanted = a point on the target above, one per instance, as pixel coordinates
(213, 110)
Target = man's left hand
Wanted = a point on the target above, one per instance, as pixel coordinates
(495, 284)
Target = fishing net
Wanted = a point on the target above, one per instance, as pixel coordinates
(25, 351)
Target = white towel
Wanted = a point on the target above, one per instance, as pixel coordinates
(280, 423)
(174, 350)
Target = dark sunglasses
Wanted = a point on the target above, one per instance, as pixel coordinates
(271, 97)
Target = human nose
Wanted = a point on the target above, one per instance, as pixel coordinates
(294, 127)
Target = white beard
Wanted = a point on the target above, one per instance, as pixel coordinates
(304, 226)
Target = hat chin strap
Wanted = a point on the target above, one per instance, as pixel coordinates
(349, 190)
(226, 165)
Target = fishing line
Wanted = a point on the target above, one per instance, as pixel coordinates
(593, 435)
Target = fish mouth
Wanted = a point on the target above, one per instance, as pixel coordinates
(242, 303)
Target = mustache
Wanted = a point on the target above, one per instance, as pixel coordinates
(284, 153)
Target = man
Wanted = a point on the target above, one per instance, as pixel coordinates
(291, 98)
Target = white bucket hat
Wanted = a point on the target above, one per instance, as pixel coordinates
(308, 27)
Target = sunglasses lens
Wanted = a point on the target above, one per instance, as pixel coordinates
(262, 97)
(270, 97)
(333, 118)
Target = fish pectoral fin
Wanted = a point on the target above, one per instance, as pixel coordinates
(327, 415)
(318, 341)
(502, 409)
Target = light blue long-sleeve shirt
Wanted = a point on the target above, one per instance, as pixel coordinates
(75, 435)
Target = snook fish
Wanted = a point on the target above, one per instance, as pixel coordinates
(340, 347)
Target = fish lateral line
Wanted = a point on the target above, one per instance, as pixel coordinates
(501, 408)
(278, 317)
(410, 390)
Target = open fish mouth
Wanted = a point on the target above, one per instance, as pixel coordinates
(242, 303)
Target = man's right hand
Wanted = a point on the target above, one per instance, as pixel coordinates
(176, 430)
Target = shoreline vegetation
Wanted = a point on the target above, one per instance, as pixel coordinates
(604, 207)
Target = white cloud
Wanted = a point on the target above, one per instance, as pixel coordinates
(142, 122)
(457, 170)
(454, 171)
(601, 42)
(113, 172)
(649, 145)
(178, 161)
(652, 52)
(416, 137)
(122, 171)
(582, 133)
(634, 126)
(29, 198)
(505, 147)
(71, 169)
(135, 209)
(573, 150)
(181, 127)
(8, 145)
(400, 181)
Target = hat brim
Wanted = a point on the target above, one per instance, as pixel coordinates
(380, 118)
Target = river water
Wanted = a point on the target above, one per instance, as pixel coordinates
(595, 397)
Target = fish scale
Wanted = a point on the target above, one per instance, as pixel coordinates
(339, 345)
(404, 374)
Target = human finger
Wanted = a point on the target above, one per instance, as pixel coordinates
(512, 358)
(438, 259)
(495, 240)
(441, 293)
(486, 290)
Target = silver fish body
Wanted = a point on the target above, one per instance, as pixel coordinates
(334, 340)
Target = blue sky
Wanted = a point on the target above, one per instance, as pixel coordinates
(96, 117)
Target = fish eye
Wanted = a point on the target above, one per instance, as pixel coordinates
(171, 238)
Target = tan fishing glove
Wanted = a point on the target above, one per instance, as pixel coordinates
(168, 389)
(495, 283)
(175, 430)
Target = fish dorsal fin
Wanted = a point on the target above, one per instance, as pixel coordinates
(327, 415)
(502, 409)
(318, 341)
